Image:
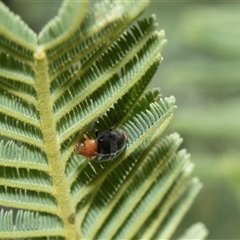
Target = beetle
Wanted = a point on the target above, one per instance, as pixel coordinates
(106, 146)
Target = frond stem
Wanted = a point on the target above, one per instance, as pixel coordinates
(61, 189)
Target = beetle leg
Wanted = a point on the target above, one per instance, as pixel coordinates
(85, 136)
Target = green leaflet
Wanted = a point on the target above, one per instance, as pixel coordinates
(26, 221)
(62, 26)
(87, 69)
(16, 38)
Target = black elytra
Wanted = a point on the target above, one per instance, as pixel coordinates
(110, 144)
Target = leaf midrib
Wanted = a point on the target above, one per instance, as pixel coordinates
(61, 189)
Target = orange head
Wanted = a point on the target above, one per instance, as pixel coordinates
(88, 149)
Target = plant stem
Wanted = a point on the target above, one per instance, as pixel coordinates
(61, 192)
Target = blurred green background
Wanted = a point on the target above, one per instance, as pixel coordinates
(201, 68)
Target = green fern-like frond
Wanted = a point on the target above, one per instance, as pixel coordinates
(87, 69)
(16, 39)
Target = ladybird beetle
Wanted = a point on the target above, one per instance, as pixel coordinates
(105, 147)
